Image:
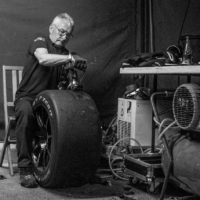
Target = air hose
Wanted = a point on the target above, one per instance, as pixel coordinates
(120, 158)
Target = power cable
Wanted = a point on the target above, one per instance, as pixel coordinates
(184, 21)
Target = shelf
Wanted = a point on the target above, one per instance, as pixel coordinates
(171, 69)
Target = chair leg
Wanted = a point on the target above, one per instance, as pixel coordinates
(10, 160)
(5, 144)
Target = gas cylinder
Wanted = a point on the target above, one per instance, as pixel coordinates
(186, 164)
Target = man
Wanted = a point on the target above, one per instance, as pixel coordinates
(44, 61)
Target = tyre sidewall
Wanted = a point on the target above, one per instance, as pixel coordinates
(44, 178)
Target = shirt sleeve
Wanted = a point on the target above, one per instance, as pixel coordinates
(39, 41)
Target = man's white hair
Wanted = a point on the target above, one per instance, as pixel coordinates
(64, 16)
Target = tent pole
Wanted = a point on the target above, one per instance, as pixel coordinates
(151, 26)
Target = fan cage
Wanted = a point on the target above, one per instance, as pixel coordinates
(186, 104)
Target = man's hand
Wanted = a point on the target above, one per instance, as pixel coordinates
(78, 62)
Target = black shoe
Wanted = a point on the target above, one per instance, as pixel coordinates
(27, 179)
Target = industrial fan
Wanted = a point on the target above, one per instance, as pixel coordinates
(185, 148)
(186, 106)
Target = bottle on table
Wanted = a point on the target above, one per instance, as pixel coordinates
(187, 54)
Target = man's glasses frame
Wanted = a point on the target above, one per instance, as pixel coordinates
(63, 33)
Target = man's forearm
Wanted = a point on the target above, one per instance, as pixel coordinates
(53, 59)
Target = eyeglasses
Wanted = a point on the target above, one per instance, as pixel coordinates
(63, 33)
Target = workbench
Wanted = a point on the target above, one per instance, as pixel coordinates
(170, 69)
(187, 70)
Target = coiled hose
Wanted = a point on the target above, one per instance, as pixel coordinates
(119, 158)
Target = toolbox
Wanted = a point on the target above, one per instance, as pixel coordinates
(145, 167)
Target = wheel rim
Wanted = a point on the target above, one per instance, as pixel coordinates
(41, 153)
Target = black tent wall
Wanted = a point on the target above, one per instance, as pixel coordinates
(106, 32)
(104, 35)
(169, 25)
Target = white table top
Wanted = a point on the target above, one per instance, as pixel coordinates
(170, 69)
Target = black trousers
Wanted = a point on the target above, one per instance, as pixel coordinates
(24, 130)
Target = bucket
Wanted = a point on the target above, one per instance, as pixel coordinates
(195, 44)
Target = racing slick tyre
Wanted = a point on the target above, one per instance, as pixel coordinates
(67, 145)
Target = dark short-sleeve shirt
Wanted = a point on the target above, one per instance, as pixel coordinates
(36, 77)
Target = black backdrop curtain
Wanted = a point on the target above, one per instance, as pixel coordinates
(169, 24)
(105, 33)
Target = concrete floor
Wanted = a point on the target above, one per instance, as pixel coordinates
(10, 189)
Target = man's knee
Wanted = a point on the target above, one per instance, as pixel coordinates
(24, 111)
